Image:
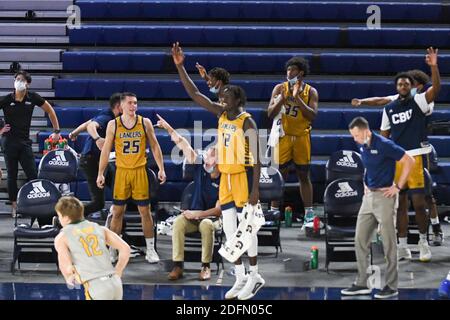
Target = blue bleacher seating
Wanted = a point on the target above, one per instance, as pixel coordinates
(329, 90)
(274, 36)
(184, 117)
(244, 62)
(258, 10)
(259, 28)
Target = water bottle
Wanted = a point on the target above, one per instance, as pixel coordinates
(316, 225)
(314, 262)
(288, 217)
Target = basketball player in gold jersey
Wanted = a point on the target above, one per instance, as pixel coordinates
(130, 133)
(239, 167)
(300, 101)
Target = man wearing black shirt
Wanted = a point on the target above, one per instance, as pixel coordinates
(16, 143)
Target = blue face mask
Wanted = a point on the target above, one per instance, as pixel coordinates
(413, 91)
(214, 90)
(292, 81)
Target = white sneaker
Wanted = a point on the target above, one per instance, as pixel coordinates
(13, 212)
(254, 283)
(151, 256)
(113, 253)
(425, 252)
(236, 288)
(403, 253)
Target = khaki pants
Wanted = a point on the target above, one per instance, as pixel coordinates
(181, 226)
(377, 209)
(104, 288)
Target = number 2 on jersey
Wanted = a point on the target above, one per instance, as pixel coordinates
(226, 139)
(90, 245)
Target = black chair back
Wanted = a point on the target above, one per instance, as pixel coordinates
(271, 184)
(344, 164)
(37, 199)
(343, 197)
(59, 166)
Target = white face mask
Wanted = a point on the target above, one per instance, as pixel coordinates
(214, 90)
(209, 169)
(292, 81)
(20, 85)
(366, 140)
(413, 91)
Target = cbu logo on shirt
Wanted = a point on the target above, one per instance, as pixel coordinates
(401, 117)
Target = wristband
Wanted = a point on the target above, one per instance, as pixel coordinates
(57, 131)
(97, 138)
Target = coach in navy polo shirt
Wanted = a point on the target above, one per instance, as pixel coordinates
(379, 205)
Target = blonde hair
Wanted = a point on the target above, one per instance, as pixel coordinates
(70, 207)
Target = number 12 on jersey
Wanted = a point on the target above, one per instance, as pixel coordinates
(90, 245)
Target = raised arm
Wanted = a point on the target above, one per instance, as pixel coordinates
(202, 71)
(433, 91)
(189, 85)
(277, 101)
(179, 140)
(156, 149)
(251, 131)
(104, 156)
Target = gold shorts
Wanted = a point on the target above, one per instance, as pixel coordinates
(131, 184)
(294, 148)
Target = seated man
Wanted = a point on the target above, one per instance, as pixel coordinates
(204, 206)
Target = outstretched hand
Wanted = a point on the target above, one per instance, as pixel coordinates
(431, 57)
(356, 102)
(162, 123)
(177, 54)
(201, 70)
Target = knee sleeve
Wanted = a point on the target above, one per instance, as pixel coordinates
(229, 217)
(253, 249)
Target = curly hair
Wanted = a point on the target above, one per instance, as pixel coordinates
(301, 63)
(419, 76)
(404, 75)
(238, 93)
(220, 74)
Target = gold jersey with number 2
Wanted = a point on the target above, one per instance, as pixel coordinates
(233, 148)
(294, 123)
(130, 144)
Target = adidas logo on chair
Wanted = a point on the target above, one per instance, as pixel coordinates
(345, 191)
(347, 160)
(59, 160)
(38, 191)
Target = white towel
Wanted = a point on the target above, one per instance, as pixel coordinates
(251, 222)
(277, 129)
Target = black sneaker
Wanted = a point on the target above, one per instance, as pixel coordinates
(355, 290)
(386, 293)
(135, 252)
(438, 235)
